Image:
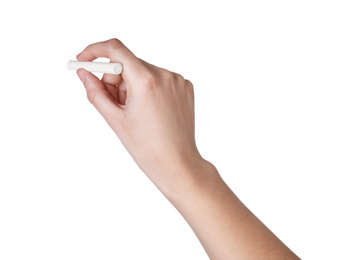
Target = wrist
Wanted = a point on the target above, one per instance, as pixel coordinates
(191, 177)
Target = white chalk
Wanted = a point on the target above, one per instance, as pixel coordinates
(103, 67)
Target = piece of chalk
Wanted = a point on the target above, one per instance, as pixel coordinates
(103, 67)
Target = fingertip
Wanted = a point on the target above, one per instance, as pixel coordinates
(78, 55)
(86, 77)
(81, 74)
(82, 56)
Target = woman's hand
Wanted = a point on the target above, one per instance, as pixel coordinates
(152, 112)
(150, 109)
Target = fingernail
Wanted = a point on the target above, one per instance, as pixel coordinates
(81, 76)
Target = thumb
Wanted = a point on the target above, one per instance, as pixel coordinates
(98, 95)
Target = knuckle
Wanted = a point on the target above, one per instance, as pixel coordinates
(168, 77)
(114, 43)
(178, 77)
(150, 81)
(189, 84)
(89, 46)
(190, 87)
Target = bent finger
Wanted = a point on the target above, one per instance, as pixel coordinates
(116, 51)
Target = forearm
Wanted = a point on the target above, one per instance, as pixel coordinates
(222, 223)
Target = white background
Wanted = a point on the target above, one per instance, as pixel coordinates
(274, 112)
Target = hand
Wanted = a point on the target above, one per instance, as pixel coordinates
(149, 108)
(152, 112)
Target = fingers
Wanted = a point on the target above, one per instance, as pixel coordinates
(122, 96)
(116, 87)
(113, 91)
(111, 79)
(99, 96)
(113, 49)
(116, 51)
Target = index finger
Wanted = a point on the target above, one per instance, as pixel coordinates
(113, 49)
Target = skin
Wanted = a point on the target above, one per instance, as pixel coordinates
(151, 110)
